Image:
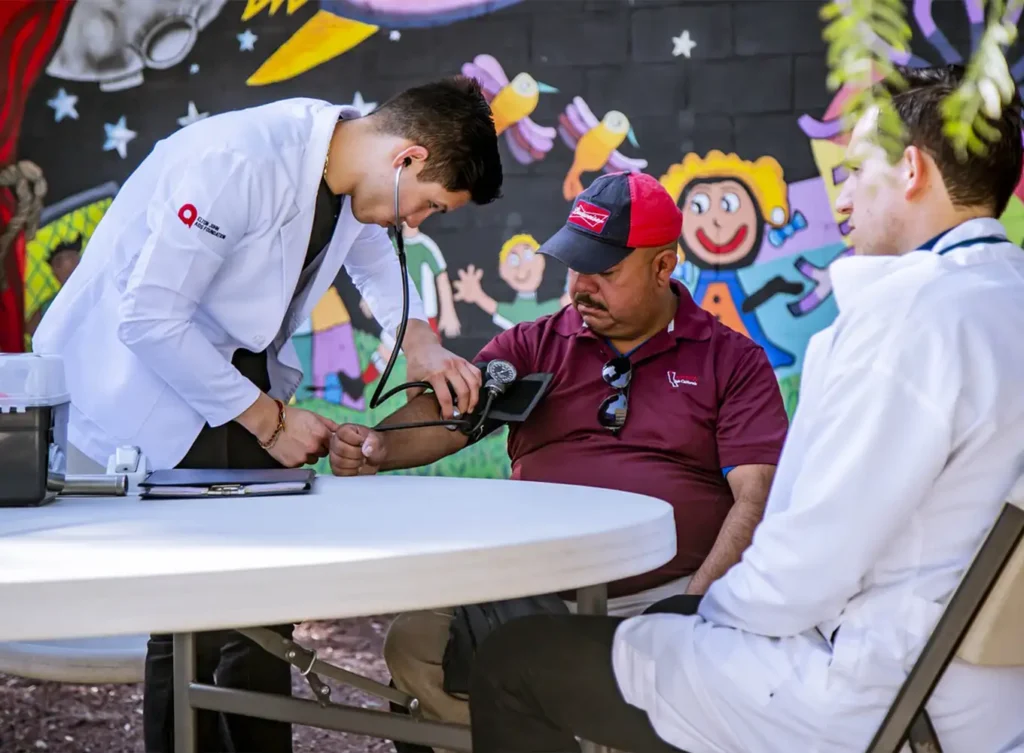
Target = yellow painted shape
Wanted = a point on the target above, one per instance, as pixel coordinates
(509, 107)
(252, 7)
(718, 301)
(329, 312)
(595, 147)
(321, 38)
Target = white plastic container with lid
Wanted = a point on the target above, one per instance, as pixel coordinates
(33, 428)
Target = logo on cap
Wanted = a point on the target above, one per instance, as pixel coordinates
(589, 216)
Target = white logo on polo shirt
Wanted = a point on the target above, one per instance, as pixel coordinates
(675, 381)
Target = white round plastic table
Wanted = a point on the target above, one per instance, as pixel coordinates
(92, 567)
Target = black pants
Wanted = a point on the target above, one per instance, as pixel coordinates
(224, 657)
(540, 682)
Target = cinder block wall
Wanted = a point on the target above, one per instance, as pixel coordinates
(746, 78)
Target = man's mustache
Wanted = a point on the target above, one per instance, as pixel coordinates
(582, 299)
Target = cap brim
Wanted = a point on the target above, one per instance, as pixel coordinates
(582, 253)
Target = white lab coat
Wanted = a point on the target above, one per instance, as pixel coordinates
(907, 441)
(161, 300)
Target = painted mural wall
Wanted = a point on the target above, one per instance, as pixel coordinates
(723, 101)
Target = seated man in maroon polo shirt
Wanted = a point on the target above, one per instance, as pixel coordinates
(650, 394)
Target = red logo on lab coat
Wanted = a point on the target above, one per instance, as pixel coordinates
(188, 214)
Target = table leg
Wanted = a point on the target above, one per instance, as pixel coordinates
(184, 676)
(592, 600)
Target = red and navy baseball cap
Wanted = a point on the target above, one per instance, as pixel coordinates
(616, 214)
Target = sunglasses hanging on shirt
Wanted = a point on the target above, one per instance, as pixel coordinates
(617, 374)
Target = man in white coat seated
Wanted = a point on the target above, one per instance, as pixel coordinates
(176, 327)
(907, 441)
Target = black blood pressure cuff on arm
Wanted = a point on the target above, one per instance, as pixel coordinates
(514, 405)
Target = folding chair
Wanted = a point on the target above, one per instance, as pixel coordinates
(983, 624)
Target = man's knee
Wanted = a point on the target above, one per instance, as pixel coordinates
(508, 648)
(416, 640)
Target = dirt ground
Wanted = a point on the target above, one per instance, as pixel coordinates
(57, 718)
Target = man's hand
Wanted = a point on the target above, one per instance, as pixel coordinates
(306, 438)
(356, 451)
(428, 361)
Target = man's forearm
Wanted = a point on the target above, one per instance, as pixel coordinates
(411, 448)
(418, 332)
(260, 418)
(734, 537)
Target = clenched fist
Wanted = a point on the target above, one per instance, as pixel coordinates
(356, 451)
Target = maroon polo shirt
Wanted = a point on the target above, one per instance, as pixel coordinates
(702, 400)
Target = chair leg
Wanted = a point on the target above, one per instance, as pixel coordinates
(922, 737)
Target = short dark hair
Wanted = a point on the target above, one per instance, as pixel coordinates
(980, 180)
(75, 244)
(452, 120)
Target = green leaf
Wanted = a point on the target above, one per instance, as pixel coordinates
(830, 11)
(861, 35)
(893, 33)
(985, 129)
(963, 111)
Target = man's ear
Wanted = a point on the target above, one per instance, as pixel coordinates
(416, 153)
(665, 264)
(914, 170)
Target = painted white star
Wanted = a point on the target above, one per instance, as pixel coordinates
(63, 106)
(194, 68)
(395, 35)
(682, 45)
(246, 40)
(118, 137)
(364, 107)
(193, 115)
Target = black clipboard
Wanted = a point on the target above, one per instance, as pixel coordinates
(182, 483)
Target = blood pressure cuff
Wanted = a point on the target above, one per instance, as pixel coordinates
(513, 406)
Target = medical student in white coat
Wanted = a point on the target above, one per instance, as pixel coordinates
(908, 439)
(175, 328)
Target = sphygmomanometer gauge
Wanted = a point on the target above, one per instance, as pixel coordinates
(502, 372)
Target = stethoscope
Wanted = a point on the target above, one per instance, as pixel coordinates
(499, 373)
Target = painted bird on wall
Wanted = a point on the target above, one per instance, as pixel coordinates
(595, 144)
(512, 103)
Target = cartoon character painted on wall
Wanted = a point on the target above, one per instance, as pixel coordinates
(512, 103)
(326, 347)
(726, 203)
(62, 260)
(595, 144)
(428, 271)
(522, 269)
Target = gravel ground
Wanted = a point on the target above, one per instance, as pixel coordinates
(57, 718)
